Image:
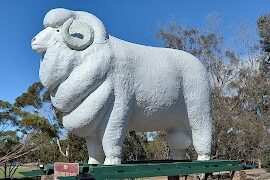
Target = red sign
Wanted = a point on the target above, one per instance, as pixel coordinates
(66, 169)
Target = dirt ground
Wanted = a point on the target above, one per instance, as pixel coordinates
(252, 174)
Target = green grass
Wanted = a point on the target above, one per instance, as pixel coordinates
(17, 175)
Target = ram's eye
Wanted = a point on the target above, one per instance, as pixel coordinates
(57, 30)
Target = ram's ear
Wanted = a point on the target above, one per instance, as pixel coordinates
(77, 35)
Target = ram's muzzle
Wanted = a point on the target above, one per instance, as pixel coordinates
(41, 41)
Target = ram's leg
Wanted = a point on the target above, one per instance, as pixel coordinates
(115, 132)
(178, 141)
(197, 98)
(95, 150)
(201, 126)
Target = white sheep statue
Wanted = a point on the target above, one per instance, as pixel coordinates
(106, 86)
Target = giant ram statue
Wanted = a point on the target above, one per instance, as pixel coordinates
(106, 86)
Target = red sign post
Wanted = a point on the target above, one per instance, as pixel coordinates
(66, 169)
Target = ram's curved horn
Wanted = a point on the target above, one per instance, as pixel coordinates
(77, 43)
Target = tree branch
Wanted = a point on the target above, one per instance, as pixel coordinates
(60, 149)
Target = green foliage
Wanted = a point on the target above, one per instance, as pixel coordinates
(135, 146)
(8, 127)
(8, 116)
(31, 115)
(31, 97)
(264, 31)
(266, 162)
(37, 101)
(77, 148)
(33, 122)
(8, 140)
(158, 148)
(49, 153)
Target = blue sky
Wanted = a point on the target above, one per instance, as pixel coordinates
(136, 21)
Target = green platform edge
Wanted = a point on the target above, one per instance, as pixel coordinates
(123, 171)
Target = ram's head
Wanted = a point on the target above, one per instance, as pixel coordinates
(66, 40)
(71, 41)
(76, 34)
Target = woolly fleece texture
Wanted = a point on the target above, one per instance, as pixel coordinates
(112, 86)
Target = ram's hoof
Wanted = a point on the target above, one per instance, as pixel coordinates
(112, 160)
(203, 157)
(93, 161)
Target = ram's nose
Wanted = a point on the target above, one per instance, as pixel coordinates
(33, 39)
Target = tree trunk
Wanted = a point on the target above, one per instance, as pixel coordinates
(259, 164)
(5, 169)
